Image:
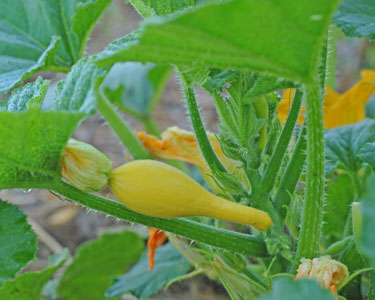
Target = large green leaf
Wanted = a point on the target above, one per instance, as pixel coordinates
(344, 145)
(356, 18)
(96, 263)
(151, 8)
(28, 286)
(136, 87)
(339, 198)
(18, 242)
(287, 288)
(283, 38)
(169, 264)
(43, 35)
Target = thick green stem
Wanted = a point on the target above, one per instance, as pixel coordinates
(309, 238)
(291, 174)
(121, 129)
(269, 176)
(204, 143)
(210, 235)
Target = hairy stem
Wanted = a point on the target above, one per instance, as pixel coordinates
(269, 176)
(291, 174)
(309, 237)
(210, 235)
(204, 143)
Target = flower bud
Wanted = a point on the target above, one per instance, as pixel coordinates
(85, 167)
(156, 189)
(329, 273)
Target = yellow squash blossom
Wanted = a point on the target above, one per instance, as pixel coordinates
(156, 189)
(339, 109)
(85, 167)
(182, 145)
(329, 273)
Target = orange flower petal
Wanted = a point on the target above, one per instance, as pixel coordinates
(155, 240)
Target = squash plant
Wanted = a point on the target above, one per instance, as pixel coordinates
(243, 52)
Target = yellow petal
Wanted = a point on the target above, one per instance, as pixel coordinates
(285, 104)
(329, 273)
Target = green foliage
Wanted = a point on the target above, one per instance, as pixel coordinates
(78, 91)
(151, 8)
(286, 288)
(279, 40)
(141, 282)
(366, 154)
(356, 18)
(96, 263)
(344, 145)
(31, 146)
(43, 35)
(367, 237)
(18, 243)
(239, 286)
(337, 209)
(28, 286)
(31, 94)
(136, 88)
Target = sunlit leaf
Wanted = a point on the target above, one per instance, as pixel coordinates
(283, 38)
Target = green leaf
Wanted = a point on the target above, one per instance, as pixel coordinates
(238, 285)
(367, 237)
(18, 242)
(340, 195)
(152, 8)
(77, 92)
(28, 286)
(287, 288)
(135, 87)
(356, 18)
(283, 38)
(96, 263)
(367, 154)
(43, 35)
(32, 145)
(141, 282)
(266, 84)
(344, 145)
(32, 94)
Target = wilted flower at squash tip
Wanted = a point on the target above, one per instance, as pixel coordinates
(339, 109)
(329, 273)
(156, 238)
(182, 145)
(85, 167)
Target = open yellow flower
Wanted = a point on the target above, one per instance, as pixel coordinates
(339, 109)
(182, 145)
